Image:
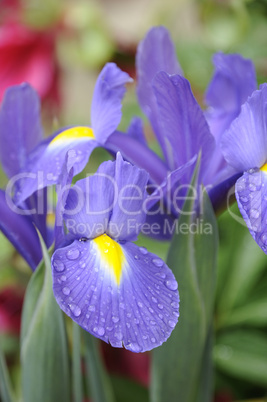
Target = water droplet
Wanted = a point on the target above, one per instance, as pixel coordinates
(143, 250)
(154, 299)
(118, 335)
(128, 325)
(161, 275)
(59, 266)
(244, 199)
(158, 262)
(115, 319)
(99, 331)
(254, 213)
(91, 308)
(151, 310)
(152, 322)
(145, 337)
(171, 323)
(76, 311)
(160, 316)
(140, 304)
(153, 340)
(136, 321)
(264, 238)
(122, 306)
(73, 254)
(63, 278)
(175, 305)
(171, 284)
(160, 306)
(66, 291)
(136, 257)
(252, 187)
(134, 347)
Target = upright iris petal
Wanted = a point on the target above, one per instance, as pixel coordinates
(112, 288)
(244, 146)
(44, 165)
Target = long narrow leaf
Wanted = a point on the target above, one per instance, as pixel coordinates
(44, 353)
(6, 392)
(77, 383)
(100, 386)
(176, 365)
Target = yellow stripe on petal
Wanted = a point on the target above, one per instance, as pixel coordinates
(264, 168)
(73, 134)
(111, 253)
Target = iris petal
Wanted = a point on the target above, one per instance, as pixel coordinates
(45, 163)
(251, 195)
(138, 313)
(183, 126)
(106, 103)
(155, 53)
(20, 127)
(244, 144)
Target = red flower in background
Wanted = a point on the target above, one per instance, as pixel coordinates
(11, 300)
(27, 54)
(134, 366)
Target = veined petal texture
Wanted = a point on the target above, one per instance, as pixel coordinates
(182, 123)
(106, 102)
(20, 127)
(251, 195)
(156, 52)
(244, 144)
(120, 293)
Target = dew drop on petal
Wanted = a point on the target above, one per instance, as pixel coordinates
(154, 299)
(115, 319)
(73, 254)
(153, 340)
(171, 323)
(66, 291)
(264, 238)
(99, 331)
(160, 306)
(91, 308)
(59, 266)
(134, 347)
(140, 304)
(158, 262)
(171, 284)
(76, 311)
(136, 257)
(63, 278)
(175, 304)
(143, 250)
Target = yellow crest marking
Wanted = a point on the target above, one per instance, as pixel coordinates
(111, 252)
(264, 168)
(72, 134)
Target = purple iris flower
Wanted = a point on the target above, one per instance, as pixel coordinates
(20, 132)
(183, 130)
(112, 288)
(244, 146)
(44, 163)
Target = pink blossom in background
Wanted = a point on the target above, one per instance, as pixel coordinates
(28, 56)
(11, 299)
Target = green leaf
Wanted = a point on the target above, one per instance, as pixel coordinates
(127, 390)
(243, 354)
(6, 391)
(44, 352)
(98, 380)
(176, 365)
(77, 381)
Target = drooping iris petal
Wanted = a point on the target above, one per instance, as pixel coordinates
(20, 231)
(44, 165)
(251, 195)
(120, 293)
(155, 53)
(244, 144)
(128, 213)
(90, 202)
(106, 102)
(20, 127)
(183, 126)
(233, 82)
